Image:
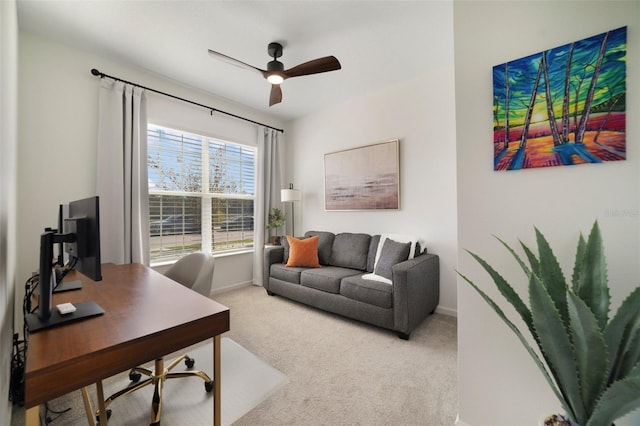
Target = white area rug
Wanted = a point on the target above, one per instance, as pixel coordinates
(246, 382)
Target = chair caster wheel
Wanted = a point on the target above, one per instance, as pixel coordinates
(135, 377)
(208, 386)
(189, 362)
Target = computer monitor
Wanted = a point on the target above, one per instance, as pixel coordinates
(84, 222)
(63, 213)
(62, 266)
(81, 237)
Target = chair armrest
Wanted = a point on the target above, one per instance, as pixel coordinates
(416, 291)
(272, 254)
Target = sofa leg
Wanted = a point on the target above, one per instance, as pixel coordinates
(270, 293)
(403, 336)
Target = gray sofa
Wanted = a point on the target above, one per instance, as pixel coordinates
(341, 286)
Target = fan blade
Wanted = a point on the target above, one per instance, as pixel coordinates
(328, 63)
(276, 95)
(236, 62)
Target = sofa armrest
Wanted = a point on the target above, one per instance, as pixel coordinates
(272, 254)
(416, 291)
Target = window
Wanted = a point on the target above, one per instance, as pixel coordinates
(201, 194)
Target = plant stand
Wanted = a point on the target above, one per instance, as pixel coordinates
(276, 240)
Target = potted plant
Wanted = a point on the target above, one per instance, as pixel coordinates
(276, 219)
(591, 361)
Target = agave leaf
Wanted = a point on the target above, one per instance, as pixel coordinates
(580, 251)
(635, 371)
(590, 350)
(592, 284)
(524, 342)
(552, 277)
(632, 356)
(533, 260)
(506, 290)
(556, 347)
(523, 265)
(622, 334)
(621, 398)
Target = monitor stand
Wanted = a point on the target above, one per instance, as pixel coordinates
(67, 286)
(83, 310)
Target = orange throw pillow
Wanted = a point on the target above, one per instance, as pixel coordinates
(303, 252)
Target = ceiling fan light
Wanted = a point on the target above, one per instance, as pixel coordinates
(275, 79)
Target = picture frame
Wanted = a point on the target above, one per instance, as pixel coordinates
(363, 178)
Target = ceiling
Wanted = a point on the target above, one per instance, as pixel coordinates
(379, 43)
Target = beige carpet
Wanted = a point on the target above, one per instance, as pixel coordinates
(343, 372)
(339, 371)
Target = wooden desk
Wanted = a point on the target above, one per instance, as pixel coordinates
(147, 316)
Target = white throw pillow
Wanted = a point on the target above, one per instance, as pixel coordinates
(374, 277)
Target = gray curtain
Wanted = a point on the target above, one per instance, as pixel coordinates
(122, 183)
(269, 182)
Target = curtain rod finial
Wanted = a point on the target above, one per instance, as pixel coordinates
(96, 72)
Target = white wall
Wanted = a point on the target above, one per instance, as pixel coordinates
(8, 187)
(498, 383)
(58, 118)
(421, 114)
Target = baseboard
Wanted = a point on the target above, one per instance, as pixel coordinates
(230, 287)
(447, 311)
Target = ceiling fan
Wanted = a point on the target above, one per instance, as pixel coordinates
(275, 72)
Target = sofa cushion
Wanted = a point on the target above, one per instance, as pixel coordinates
(325, 241)
(392, 252)
(350, 250)
(373, 249)
(366, 291)
(284, 273)
(326, 278)
(303, 252)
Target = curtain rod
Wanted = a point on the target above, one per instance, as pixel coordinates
(102, 75)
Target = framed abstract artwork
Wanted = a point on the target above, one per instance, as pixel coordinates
(363, 178)
(562, 106)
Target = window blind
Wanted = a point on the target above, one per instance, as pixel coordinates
(201, 194)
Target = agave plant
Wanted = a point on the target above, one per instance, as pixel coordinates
(591, 362)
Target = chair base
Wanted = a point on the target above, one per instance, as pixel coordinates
(157, 379)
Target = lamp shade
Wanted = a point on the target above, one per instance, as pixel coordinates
(290, 195)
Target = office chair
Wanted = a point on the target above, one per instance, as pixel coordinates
(195, 271)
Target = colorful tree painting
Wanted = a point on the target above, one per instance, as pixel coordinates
(563, 106)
